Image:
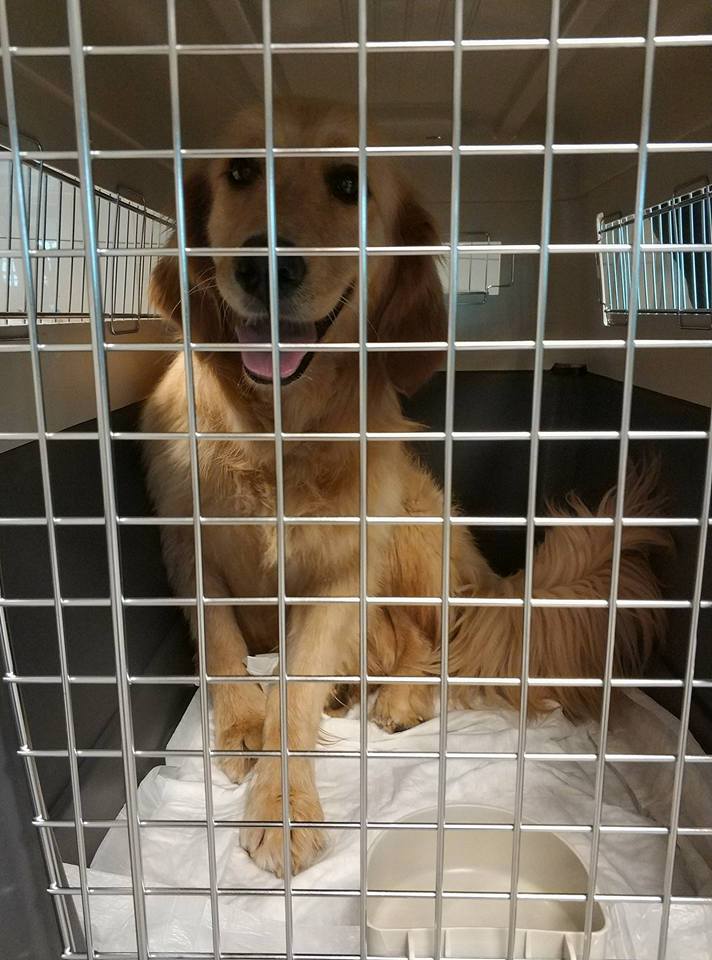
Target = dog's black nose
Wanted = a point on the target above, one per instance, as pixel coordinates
(252, 273)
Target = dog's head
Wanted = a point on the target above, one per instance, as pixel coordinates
(316, 206)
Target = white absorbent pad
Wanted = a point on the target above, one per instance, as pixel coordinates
(556, 792)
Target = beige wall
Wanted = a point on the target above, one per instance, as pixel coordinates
(68, 380)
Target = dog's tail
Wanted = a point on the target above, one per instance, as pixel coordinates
(573, 562)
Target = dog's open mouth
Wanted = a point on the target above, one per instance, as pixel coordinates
(292, 363)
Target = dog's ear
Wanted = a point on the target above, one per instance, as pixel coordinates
(164, 288)
(412, 304)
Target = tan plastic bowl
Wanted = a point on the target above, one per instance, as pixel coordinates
(478, 861)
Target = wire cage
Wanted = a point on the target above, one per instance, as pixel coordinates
(675, 281)
(74, 251)
(54, 222)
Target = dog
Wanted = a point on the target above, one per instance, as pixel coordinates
(317, 205)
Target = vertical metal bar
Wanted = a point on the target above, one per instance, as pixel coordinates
(278, 469)
(114, 265)
(363, 464)
(110, 265)
(122, 263)
(72, 245)
(91, 261)
(636, 293)
(680, 257)
(609, 292)
(10, 262)
(655, 278)
(59, 247)
(84, 269)
(675, 261)
(627, 400)
(35, 265)
(129, 268)
(181, 240)
(675, 256)
(663, 255)
(705, 305)
(39, 404)
(618, 259)
(626, 288)
(679, 777)
(42, 234)
(55, 869)
(139, 265)
(693, 257)
(106, 266)
(147, 268)
(538, 375)
(140, 240)
(707, 220)
(450, 366)
(645, 299)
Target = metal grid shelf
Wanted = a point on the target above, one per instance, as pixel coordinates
(54, 218)
(675, 281)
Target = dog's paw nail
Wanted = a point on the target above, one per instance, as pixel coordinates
(237, 768)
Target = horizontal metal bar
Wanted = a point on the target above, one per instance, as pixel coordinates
(548, 757)
(231, 955)
(409, 520)
(611, 829)
(684, 40)
(58, 521)
(22, 346)
(346, 892)
(372, 46)
(412, 150)
(47, 602)
(404, 436)
(192, 680)
(458, 601)
(373, 251)
(469, 436)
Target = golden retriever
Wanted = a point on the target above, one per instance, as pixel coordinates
(316, 202)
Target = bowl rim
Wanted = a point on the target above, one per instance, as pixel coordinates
(418, 816)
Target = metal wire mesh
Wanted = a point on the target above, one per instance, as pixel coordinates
(88, 254)
(671, 282)
(54, 223)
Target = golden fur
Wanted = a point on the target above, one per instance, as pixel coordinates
(237, 478)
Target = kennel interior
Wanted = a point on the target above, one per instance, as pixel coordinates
(564, 147)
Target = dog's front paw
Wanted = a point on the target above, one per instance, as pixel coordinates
(243, 732)
(400, 706)
(265, 844)
(266, 848)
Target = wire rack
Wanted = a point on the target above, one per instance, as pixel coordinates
(54, 221)
(103, 243)
(671, 281)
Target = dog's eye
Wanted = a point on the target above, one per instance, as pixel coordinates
(343, 182)
(243, 171)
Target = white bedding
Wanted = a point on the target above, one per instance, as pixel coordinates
(555, 792)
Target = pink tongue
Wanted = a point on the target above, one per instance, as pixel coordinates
(259, 362)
